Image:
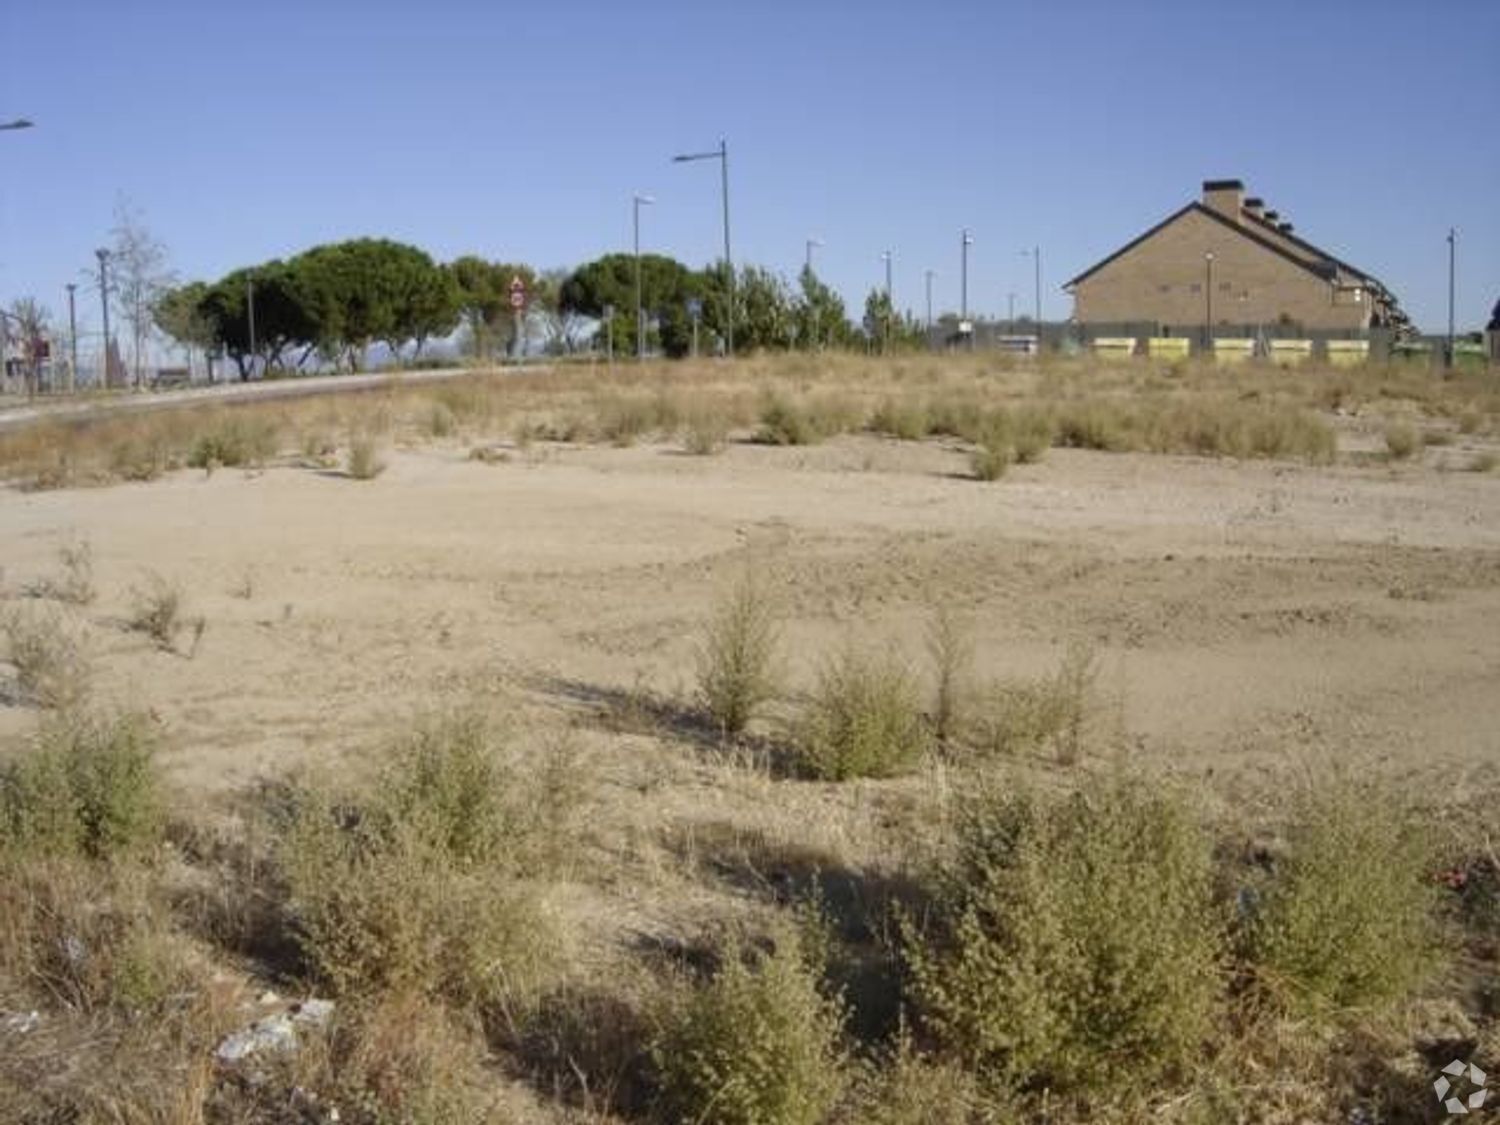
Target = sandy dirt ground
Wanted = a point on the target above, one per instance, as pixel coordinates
(1248, 616)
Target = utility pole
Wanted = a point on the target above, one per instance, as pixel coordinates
(811, 242)
(72, 339)
(103, 256)
(1011, 312)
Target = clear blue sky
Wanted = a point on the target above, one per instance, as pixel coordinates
(249, 130)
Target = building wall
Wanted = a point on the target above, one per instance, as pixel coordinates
(1163, 279)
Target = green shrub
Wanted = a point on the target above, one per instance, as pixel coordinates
(1077, 945)
(365, 460)
(428, 884)
(446, 779)
(50, 656)
(1347, 918)
(1402, 440)
(377, 906)
(737, 656)
(757, 1045)
(864, 719)
(89, 786)
(910, 1089)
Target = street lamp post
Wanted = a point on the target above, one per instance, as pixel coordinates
(72, 339)
(250, 314)
(929, 275)
(1452, 253)
(103, 256)
(1208, 301)
(811, 242)
(1010, 314)
(1035, 254)
(963, 284)
(890, 301)
(640, 318)
(722, 156)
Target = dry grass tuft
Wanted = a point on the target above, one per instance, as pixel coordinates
(365, 459)
(159, 610)
(1053, 712)
(737, 674)
(49, 651)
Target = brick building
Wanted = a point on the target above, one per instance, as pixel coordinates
(1228, 261)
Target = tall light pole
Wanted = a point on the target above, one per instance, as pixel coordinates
(1011, 311)
(929, 275)
(250, 314)
(967, 240)
(103, 256)
(1452, 252)
(72, 338)
(1208, 300)
(890, 301)
(722, 156)
(1035, 254)
(640, 317)
(811, 242)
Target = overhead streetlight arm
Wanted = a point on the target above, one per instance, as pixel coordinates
(685, 157)
(19, 123)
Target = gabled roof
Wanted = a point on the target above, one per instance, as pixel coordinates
(1317, 269)
(1318, 250)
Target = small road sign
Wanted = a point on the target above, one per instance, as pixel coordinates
(694, 307)
(517, 293)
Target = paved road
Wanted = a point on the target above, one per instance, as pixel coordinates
(21, 413)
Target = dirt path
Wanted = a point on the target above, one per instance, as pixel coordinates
(1245, 614)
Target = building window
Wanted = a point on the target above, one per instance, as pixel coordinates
(1224, 287)
(1196, 288)
(1164, 289)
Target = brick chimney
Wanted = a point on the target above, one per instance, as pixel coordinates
(1226, 197)
(1255, 206)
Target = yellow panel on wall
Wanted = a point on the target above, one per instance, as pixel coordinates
(1289, 353)
(1233, 349)
(1168, 347)
(1347, 353)
(1114, 347)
